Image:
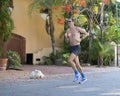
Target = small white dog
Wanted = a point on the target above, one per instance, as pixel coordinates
(36, 74)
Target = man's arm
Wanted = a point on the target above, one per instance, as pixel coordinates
(66, 36)
(83, 31)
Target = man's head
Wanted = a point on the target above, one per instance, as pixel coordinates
(70, 22)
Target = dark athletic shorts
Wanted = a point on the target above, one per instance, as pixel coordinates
(75, 49)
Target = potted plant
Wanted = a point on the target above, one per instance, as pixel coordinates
(6, 27)
(56, 59)
(14, 61)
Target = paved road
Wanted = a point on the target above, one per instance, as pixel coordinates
(105, 83)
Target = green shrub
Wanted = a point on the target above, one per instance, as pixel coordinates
(104, 51)
(83, 56)
(65, 57)
(107, 53)
(47, 60)
(55, 57)
(13, 60)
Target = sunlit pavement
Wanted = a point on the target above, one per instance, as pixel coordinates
(100, 83)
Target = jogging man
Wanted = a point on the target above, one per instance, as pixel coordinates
(72, 36)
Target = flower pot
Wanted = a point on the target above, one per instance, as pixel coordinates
(3, 64)
(58, 61)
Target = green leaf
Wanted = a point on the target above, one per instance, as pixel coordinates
(113, 1)
(95, 9)
(80, 20)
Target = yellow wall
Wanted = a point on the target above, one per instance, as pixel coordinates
(33, 27)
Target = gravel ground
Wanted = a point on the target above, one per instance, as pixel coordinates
(26, 70)
(48, 71)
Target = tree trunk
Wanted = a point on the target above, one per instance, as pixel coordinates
(100, 59)
(101, 22)
(52, 31)
(90, 36)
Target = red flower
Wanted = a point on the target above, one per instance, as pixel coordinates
(60, 21)
(107, 2)
(83, 3)
(67, 8)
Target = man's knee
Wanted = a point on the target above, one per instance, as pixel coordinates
(70, 61)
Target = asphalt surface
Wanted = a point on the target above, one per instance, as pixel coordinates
(100, 83)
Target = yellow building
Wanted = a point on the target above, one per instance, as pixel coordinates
(32, 28)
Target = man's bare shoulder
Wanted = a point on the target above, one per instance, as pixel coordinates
(80, 29)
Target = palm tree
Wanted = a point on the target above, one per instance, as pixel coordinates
(47, 6)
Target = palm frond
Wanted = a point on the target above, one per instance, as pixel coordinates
(38, 4)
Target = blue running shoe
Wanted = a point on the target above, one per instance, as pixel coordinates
(83, 80)
(77, 77)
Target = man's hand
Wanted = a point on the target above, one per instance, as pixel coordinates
(67, 36)
(85, 35)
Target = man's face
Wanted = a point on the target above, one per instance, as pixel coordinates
(70, 23)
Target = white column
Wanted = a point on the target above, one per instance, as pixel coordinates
(115, 60)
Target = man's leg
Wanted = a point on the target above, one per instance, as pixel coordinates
(78, 65)
(71, 61)
(84, 78)
(73, 65)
